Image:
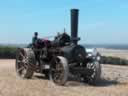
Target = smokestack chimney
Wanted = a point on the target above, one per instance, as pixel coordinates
(74, 25)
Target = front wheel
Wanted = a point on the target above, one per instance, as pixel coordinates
(59, 70)
(94, 78)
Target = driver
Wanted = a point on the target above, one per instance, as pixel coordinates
(35, 38)
(37, 53)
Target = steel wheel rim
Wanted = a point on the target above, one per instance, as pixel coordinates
(57, 71)
(21, 64)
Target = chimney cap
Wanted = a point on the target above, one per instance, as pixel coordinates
(75, 9)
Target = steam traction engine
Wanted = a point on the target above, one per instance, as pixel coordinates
(56, 61)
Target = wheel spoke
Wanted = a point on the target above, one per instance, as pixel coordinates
(20, 62)
(25, 66)
(20, 69)
(55, 76)
(21, 55)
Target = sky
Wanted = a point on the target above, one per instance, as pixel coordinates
(100, 21)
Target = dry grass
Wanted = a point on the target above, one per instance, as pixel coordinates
(112, 84)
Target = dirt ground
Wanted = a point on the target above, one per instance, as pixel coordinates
(114, 83)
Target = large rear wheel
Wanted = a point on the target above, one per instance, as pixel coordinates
(59, 70)
(25, 61)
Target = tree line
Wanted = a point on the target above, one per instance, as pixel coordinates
(7, 52)
(113, 60)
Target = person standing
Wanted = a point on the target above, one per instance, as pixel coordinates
(35, 37)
